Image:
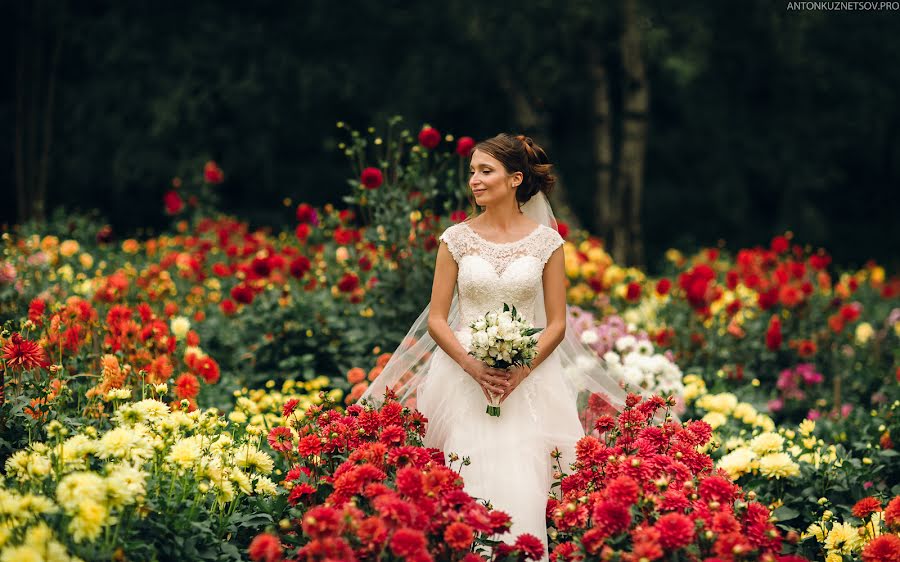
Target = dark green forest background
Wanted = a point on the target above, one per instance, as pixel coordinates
(759, 118)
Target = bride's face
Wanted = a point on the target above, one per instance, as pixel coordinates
(489, 180)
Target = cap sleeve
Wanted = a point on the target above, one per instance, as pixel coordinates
(551, 240)
(451, 237)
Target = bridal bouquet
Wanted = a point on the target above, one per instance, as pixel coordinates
(503, 339)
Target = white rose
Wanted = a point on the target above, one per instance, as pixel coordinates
(480, 324)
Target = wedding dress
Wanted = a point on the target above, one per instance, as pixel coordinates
(555, 406)
(510, 455)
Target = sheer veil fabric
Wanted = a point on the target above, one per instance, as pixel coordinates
(587, 381)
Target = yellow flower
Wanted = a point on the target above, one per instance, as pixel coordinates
(778, 465)
(88, 521)
(23, 553)
(766, 443)
(843, 538)
(715, 419)
(807, 427)
(79, 487)
(180, 326)
(253, 459)
(341, 254)
(738, 462)
(124, 443)
(186, 452)
(86, 261)
(265, 486)
(745, 412)
(124, 484)
(814, 531)
(864, 332)
(68, 248)
(723, 403)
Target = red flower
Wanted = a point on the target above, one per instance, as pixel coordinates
(24, 354)
(242, 294)
(321, 522)
(265, 548)
(298, 491)
(611, 517)
(310, 445)
(530, 546)
(633, 292)
(348, 283)
(208, 369)
(465, 146)
(429, 137)
(406, 542)
(212, 173)
(850, 312)
(289, 407)
(299, 266)
(281, 439)
(663, 286)
(36, 310)
(302, 232)
(458, 216)
(773, 334)
(563, 229)
(780, 245)
(459, 536)
(371, 178)
(675, 531)
(716, 488)
(885, 548)
(892, 514)
(228, 307)
(306, 214)
(187, 386)
(173, 202)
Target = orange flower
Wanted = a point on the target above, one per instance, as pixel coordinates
(356, 375)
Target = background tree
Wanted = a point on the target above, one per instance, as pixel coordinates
(757, 119)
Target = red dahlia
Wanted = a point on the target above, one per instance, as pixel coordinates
(464, 146)
(866, 507)
(173, 203)
(459, 536)
(885, 548)
(675, 531)
(265, 548)
(212, 173)
(20, 353)
(371, 178)
(429, 137)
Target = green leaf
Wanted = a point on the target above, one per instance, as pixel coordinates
(784, 513)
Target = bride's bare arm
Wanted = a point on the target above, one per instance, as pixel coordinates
(445, 272)
(554, 305)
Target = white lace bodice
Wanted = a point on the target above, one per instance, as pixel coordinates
(493, 273)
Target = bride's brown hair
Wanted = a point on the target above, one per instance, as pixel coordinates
(520, 154)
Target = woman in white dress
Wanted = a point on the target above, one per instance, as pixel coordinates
(510, 253)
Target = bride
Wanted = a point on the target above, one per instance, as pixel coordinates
(509, 253)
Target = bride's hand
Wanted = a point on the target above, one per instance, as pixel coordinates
(488, 378)
(517, 374)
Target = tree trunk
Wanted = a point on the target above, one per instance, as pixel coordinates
(40, 26)
(628, 244)
(602, 153)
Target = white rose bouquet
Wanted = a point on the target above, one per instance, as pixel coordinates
(501, 339)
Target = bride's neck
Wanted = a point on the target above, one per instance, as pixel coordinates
(505, 218)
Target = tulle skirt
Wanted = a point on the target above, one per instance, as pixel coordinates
(511, 463)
